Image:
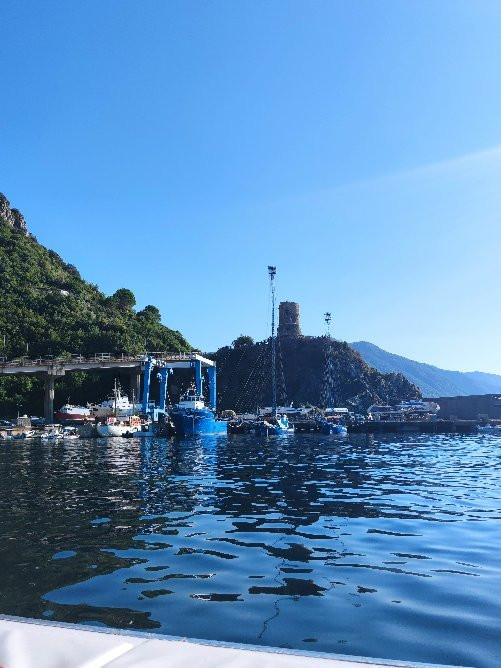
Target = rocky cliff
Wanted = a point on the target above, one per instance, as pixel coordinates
(244, 377)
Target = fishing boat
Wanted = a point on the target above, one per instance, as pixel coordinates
(70, 412)
(191, 417)
(117, 404)
(276, 424)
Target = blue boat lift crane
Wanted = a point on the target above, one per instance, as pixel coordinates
(166, 366)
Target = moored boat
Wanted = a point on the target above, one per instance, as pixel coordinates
(273, 426)
(112, 426)
(70, 433)
(191, 417)
(70, 412)
(117, 404)
(326, 426)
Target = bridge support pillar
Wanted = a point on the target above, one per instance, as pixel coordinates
(198, 376)
(211, 370)
(49, 399)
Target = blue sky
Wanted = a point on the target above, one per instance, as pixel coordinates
(178, 148)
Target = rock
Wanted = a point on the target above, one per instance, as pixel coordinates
(12, 217)
(19, 221)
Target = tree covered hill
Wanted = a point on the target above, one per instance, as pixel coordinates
(46, 308)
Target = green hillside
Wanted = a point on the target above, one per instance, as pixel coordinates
(46, 308)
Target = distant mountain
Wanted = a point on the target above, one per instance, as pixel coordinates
(432, 381)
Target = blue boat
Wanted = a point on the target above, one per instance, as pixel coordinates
(329, 427)
(276, 426)
(191, 417)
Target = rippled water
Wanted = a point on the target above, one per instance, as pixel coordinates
(385, 547)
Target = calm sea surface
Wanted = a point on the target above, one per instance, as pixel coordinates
(387, 547)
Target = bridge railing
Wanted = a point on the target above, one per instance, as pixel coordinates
(95, 357)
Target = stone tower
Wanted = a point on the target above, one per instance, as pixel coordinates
(288, 319)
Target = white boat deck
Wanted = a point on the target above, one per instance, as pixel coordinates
(30, 643)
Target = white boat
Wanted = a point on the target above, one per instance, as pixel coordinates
(112, 426)
(117, 404)
(52, 434)
(380, 413)
(70, 433)
(24, 435)
(290, 411)
(419, 407)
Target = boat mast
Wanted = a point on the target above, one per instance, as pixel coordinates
(272, 272)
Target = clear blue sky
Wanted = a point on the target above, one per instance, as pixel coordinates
(177, 148)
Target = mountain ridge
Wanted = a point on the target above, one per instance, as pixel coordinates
(431, 380)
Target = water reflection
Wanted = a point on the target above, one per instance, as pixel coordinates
(373, 546)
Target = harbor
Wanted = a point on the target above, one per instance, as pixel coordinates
(305, 542)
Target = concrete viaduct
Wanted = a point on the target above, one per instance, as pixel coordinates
(138, 365)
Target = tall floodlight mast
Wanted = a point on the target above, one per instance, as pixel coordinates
(328, 318)
(272, 273)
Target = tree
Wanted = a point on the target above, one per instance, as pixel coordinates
(150, 313)
(243, 340)
(124, 298)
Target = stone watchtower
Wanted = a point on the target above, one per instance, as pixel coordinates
(288, 320)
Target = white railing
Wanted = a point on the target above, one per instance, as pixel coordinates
(96, 357)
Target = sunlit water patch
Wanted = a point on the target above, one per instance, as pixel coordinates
(385, 547)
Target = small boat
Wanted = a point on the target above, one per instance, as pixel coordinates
(70, 412)
(494, 429)
(24, 435)
(331, 427)
(70, 433)
(112, 426)
(53, 434)
(191, 417)
(273, 426)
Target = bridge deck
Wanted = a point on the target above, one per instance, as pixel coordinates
(58, 366)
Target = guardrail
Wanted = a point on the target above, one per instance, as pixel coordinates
(96, 357)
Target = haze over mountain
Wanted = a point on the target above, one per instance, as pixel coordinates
(431, 380)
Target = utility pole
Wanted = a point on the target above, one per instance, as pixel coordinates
(272, 271)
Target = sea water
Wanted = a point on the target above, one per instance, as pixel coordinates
(376, 546)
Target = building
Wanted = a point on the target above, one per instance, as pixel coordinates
(288, 320)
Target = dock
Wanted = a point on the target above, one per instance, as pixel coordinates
(33, 643)
(398, 427)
